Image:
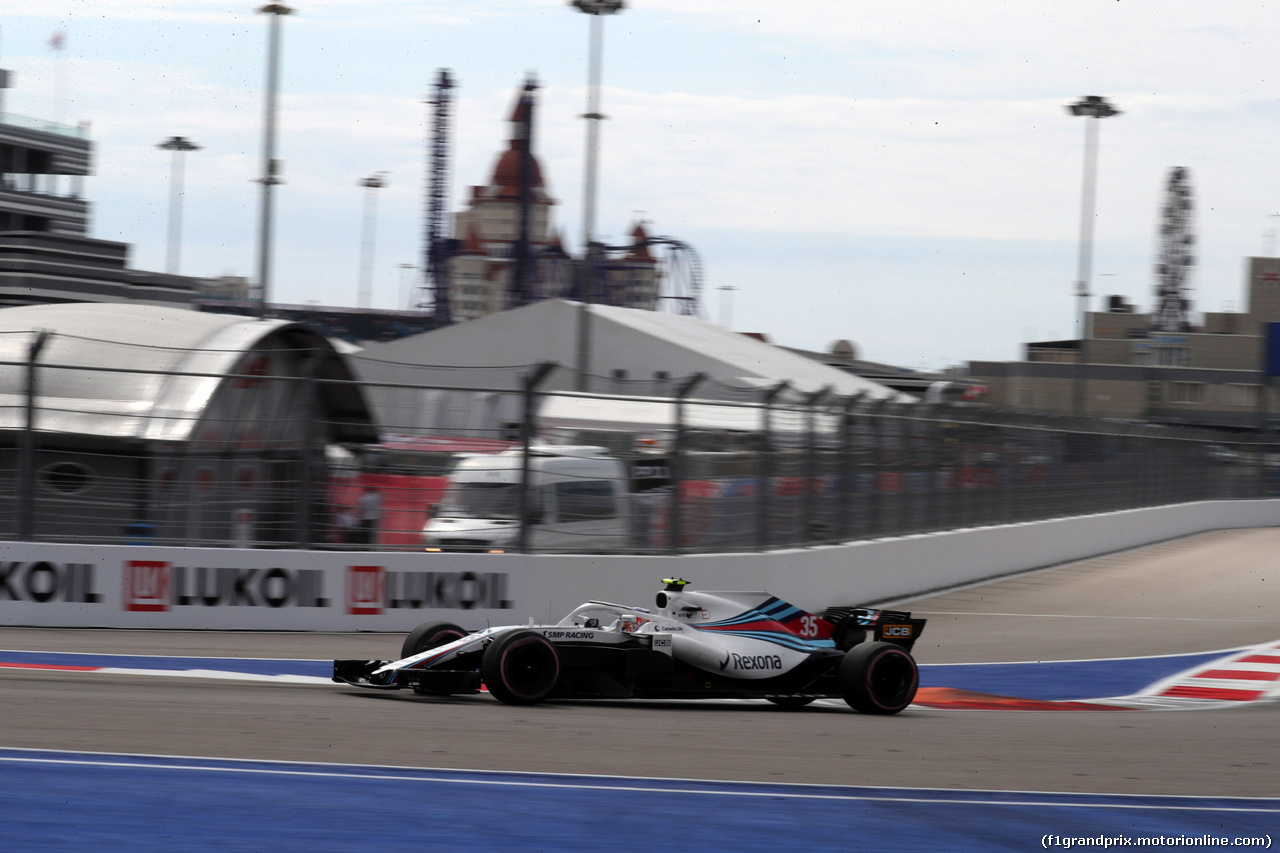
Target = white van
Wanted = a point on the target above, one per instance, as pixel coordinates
(578, 501)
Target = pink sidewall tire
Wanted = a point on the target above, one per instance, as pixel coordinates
(520, 668)
(879, 678)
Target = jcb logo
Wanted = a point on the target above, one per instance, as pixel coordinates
(896, 631)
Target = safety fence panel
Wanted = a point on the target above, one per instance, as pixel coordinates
(266, 461)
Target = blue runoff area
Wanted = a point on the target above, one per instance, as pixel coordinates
(1060, 680)
(73, 801)
(254, 666)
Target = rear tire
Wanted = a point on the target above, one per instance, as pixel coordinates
(520, 668)
(428, 635)
(879, 678)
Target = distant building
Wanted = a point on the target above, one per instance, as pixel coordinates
(949, 385)
(46, 255)
(1211, 375)
(482, 268)
(190, 424)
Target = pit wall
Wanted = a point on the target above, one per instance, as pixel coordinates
(123, 586)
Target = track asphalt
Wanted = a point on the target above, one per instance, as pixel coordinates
(292, 761)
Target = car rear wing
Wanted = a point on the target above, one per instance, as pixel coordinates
(890, 626)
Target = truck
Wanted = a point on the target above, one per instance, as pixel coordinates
(578, 501)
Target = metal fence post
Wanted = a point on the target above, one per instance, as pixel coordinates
(530, 382)
(27, 489)
(879, 456)
(848, 486)
(306, 493)
(811, 404)
(764, 488)
(926, 459)
(676, 527)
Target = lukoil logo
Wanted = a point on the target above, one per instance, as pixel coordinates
(365, 590)
(373, 589)
(146, 585)
(43, 582)
(155, 586)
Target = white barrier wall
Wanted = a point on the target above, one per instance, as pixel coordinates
(123, 586)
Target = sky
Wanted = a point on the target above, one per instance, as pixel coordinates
(901, 175)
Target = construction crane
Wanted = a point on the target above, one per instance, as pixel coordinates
(437, 247)
(1173, 266)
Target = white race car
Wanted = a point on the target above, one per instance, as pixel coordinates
(695, 645)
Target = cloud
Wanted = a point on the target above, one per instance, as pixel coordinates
(829, 131)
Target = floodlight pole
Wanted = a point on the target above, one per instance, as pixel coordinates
(1094, 107)
(593, 251)
(270, 167)
(372, 184)
(179, 145)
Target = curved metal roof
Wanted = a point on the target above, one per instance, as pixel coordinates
(106, 368)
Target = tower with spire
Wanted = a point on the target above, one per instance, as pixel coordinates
(489, 228)
(485, 271)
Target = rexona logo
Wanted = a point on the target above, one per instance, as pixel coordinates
(373, 589)
(152, 586)
(733, 660)
(42, 582)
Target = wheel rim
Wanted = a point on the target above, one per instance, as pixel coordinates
(891, 679)
(528, 669)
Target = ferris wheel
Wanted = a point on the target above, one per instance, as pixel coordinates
(678, 276)
(680, 269)
(1176, 255)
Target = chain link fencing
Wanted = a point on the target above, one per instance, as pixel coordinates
(682, 465)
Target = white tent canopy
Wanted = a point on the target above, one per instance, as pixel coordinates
(643, 415)
(494, 352)
(630, 349)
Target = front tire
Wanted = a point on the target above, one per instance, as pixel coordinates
(428, 635)
(520, 668)
(879, 678)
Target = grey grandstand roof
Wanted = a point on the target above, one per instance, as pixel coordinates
(494, 351)
(106, 368)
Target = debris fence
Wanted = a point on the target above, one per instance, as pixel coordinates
(709, 468)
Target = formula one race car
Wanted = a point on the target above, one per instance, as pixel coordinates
(695, 645)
